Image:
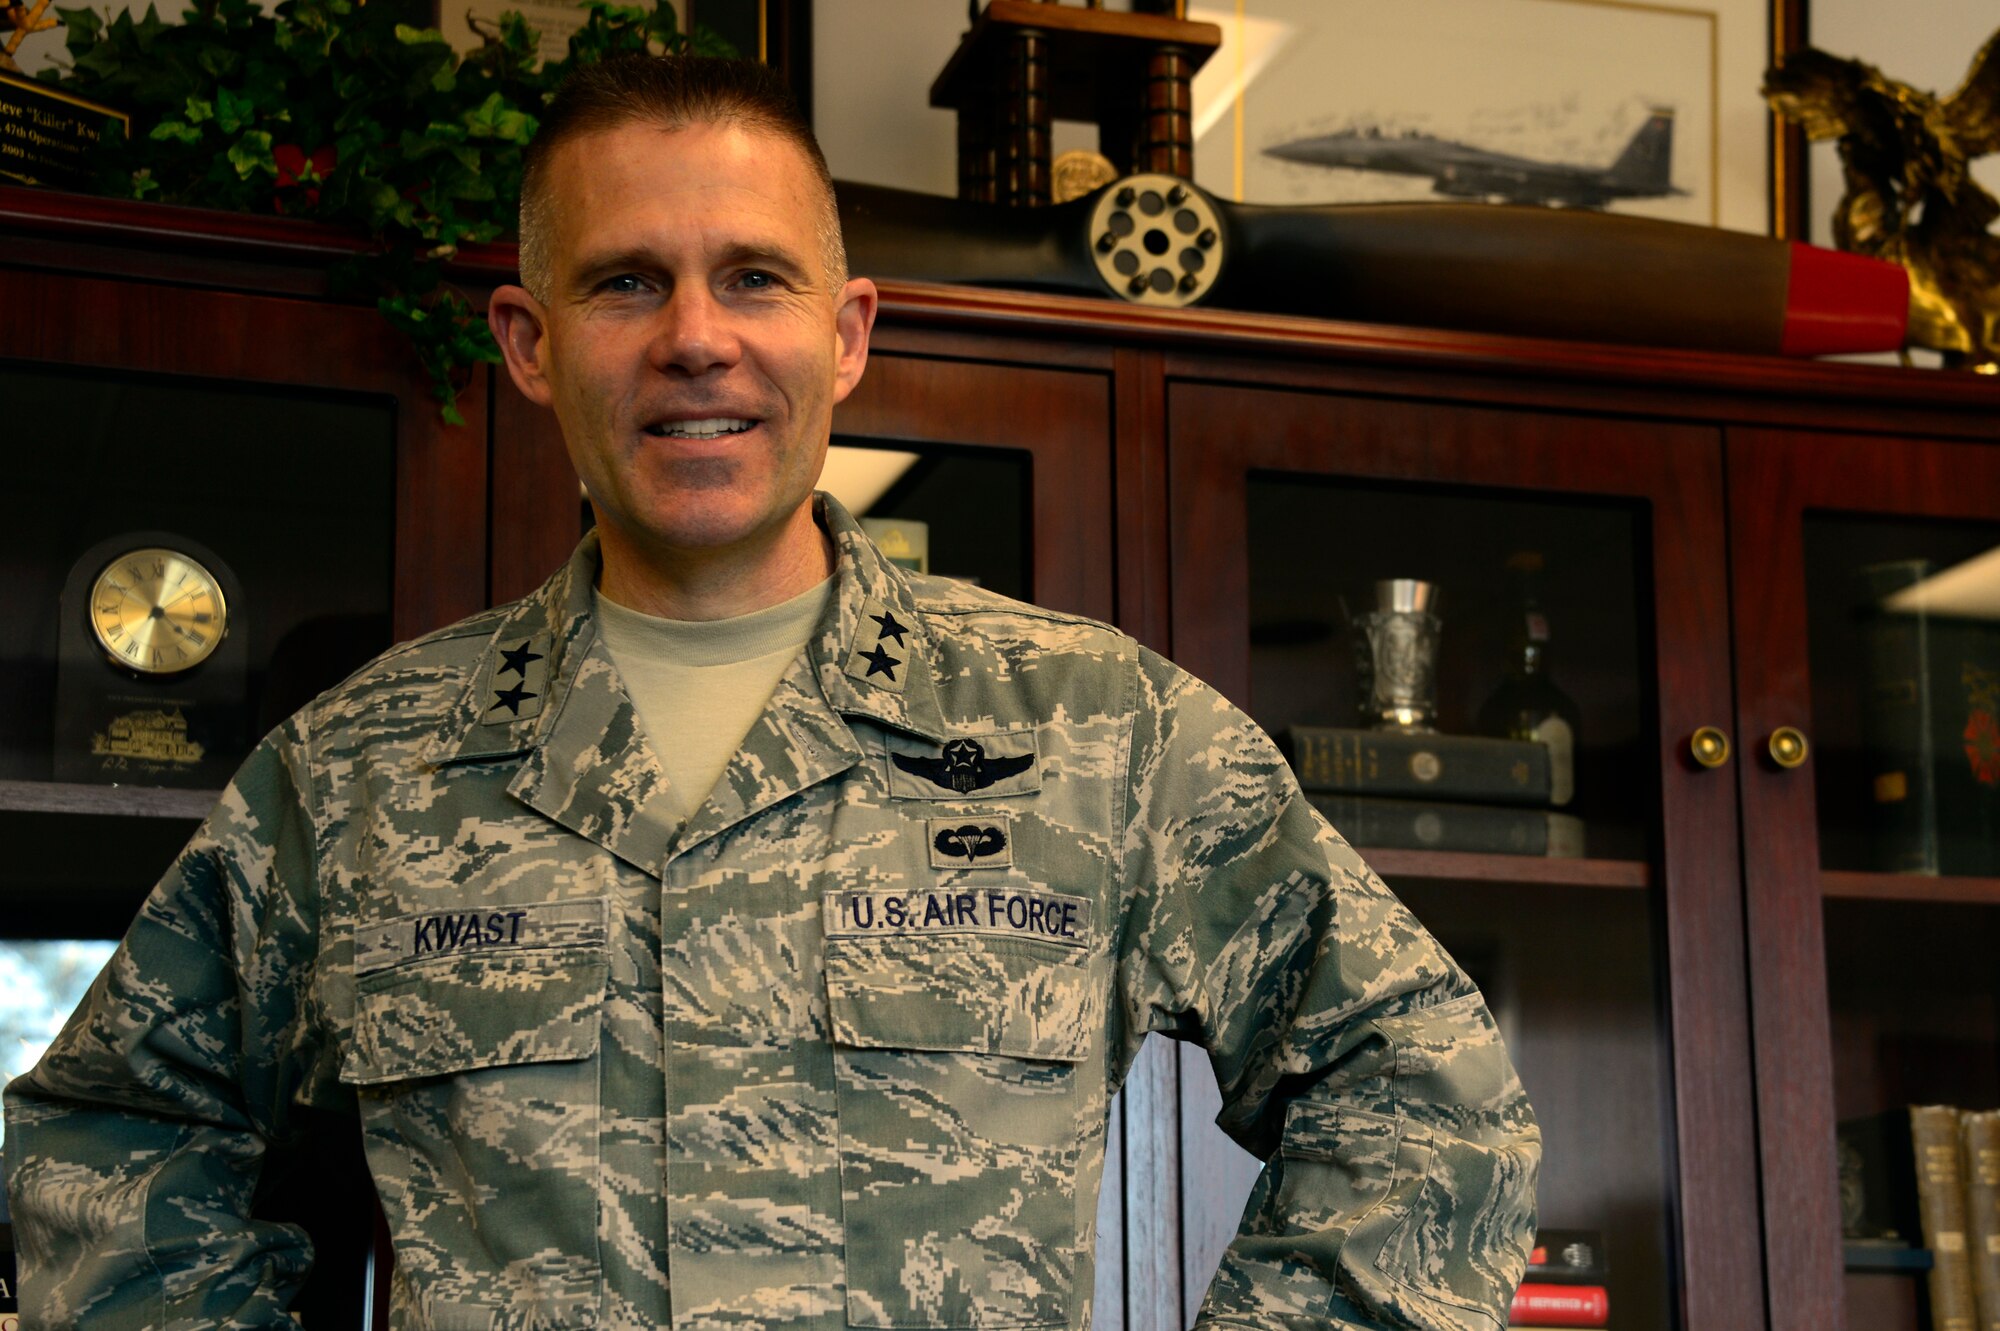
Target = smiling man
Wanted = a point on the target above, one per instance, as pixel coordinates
(692, 324)
(743, 932)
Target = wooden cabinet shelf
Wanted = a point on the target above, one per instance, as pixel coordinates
(114, 801)
(1886, 1259)
(1909, 887)
(1457, 866)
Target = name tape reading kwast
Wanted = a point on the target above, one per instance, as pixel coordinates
(544, 924)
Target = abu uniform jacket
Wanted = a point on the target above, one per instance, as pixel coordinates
(835, 1052)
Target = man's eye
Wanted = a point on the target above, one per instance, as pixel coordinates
(757, 281)
(623, 284)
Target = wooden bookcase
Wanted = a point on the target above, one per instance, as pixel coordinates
(1692, 1002)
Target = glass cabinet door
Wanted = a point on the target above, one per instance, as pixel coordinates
(1868, 627)
(1006, 466)
(1577, 566)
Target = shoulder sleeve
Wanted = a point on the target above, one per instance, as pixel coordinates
(135, 1144)
(1353, 1054)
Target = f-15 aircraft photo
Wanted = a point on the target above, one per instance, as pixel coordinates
(1462, 171)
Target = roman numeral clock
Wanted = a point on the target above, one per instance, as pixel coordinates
(151, 687)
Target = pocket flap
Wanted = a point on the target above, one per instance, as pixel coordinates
(963, 993)
(496, 1005)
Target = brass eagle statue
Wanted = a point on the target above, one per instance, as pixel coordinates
(1906, 157)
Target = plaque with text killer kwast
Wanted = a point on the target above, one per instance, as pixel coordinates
(47, 135)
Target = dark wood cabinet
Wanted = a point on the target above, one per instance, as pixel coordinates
(1873, 989)
(1645, 1105)
(1694, 1000)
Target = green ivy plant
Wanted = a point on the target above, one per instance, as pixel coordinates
(336, 111)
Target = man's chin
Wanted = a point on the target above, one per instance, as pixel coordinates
(705, 475)
(716, 521)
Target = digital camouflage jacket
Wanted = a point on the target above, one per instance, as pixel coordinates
(837, 1051)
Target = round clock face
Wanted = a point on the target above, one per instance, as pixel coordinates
(157, 611)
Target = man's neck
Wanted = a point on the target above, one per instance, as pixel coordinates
(716, 583)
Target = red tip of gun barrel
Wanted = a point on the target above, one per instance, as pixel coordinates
(1838, 303)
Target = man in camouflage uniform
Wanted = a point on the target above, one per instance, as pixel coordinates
(831, 1046)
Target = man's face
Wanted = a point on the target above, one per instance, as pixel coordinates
(692, 345)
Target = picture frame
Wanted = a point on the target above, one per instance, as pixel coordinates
(1562, 82)
(772, 32)
(1790, 169)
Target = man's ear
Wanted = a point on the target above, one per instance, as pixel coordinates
(520, 326)
(853, 320)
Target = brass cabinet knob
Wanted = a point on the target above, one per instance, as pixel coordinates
(1788, 747)
(1709, 746)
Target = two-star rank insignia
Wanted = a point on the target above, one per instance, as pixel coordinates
(517, 679)
(883, 646)
(964, 766)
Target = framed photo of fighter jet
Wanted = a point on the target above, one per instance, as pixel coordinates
(1647, 108)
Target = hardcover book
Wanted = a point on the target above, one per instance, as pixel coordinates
(1560, 1305)
(1981, 1137)
(1940, 1162)
(1480, 829)
(1419, 764)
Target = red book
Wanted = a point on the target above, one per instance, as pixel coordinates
(1561, 1305)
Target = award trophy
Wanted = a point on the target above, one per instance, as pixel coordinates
(1396, 647)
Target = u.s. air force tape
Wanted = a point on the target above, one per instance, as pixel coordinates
(999, 912)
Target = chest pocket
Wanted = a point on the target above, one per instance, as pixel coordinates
(955, 1063)
(477, 1073)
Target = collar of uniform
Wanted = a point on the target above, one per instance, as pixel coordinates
(516, 690)
(848, 650)
(869, 651)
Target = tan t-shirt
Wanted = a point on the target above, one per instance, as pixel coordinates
(699, 685)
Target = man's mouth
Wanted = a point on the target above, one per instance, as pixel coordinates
(713, 428)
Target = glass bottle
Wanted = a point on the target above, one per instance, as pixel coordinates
(1528, 704)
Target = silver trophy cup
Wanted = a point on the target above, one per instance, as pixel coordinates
(1396, 649)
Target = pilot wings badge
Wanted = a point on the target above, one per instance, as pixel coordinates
(994, 765)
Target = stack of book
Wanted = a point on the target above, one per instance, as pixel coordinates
(1928, 1175)
(1404, 790)
(1566, 1284)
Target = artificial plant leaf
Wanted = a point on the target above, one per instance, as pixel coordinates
(81, 27)
(233, 111)
(251, 154)
(147, 30)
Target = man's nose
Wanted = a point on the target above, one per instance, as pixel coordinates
(695, 334)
